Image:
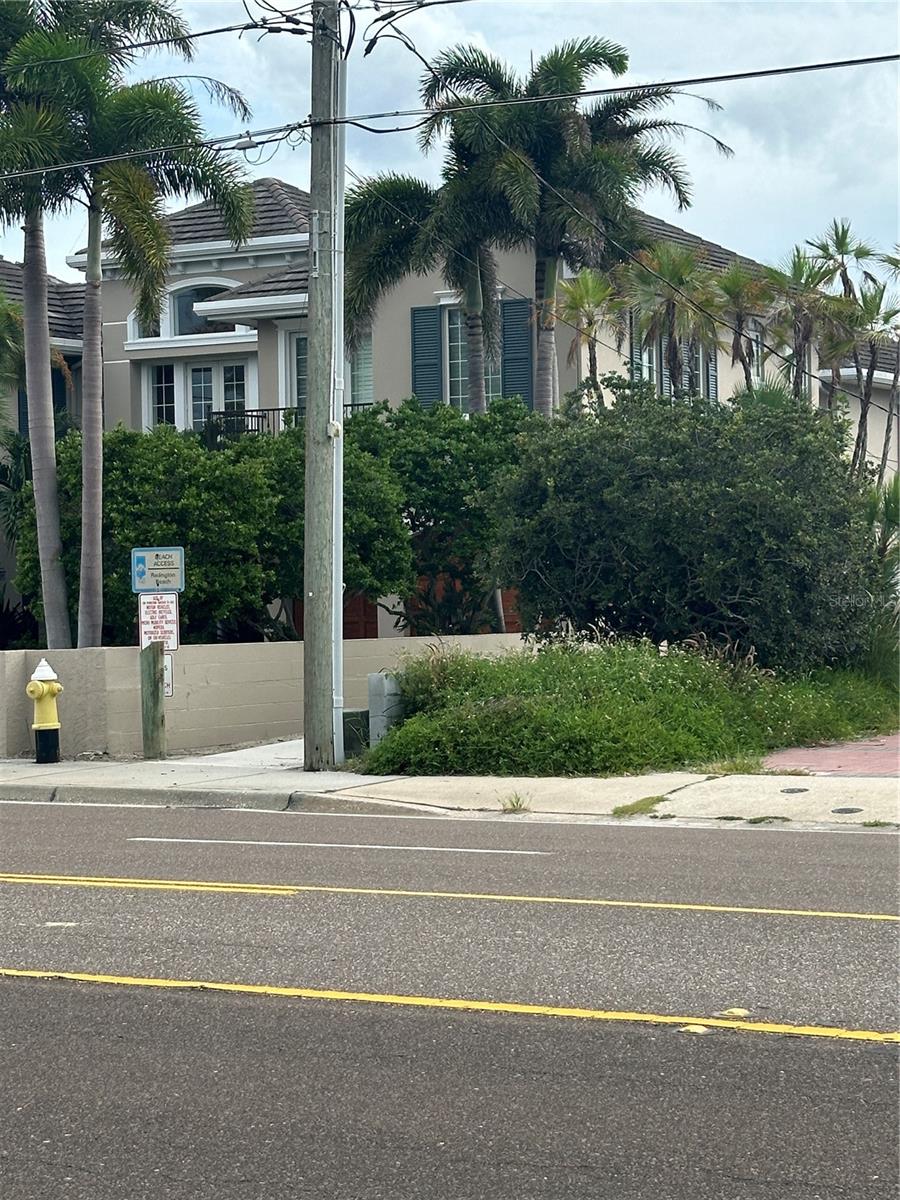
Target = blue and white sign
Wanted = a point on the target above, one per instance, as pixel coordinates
(157, 569)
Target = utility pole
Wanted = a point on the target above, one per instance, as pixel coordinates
(323, 732)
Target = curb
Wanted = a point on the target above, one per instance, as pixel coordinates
(163, 797)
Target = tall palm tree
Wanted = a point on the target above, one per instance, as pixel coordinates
(800, 309)
(675, 298)
(744, 297)
(843, 253)
(892, 262)
(570, 177)
(877, 325)
(33, 132)
(589, 303)
(126, 199)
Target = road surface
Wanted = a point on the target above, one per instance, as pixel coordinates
(414, 1008)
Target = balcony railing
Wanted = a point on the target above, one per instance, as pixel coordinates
(236, 423)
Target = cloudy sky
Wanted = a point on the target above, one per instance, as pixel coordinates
(807, 148)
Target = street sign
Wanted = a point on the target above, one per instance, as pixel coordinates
(157, 569)
(168, 676)
(158, 619)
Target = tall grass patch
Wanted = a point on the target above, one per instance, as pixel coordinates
(612, 709)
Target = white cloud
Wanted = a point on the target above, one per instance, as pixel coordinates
(807, 147)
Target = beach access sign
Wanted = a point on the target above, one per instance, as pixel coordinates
(157, 569)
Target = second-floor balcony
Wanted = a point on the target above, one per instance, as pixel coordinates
(242, 422)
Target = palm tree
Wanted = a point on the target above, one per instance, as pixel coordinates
(892, 262)
(34, 131)
(675, 299)
(396, 225)
(877, 325)
(107, 117)
(589, 302)
(569, 177)
(840, 250)
(744, 297)
(800, 309)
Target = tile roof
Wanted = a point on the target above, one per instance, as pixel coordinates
(283, 282)
(712, 254)
(65, 300)
(279, 208)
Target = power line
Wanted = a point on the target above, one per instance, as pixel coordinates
(624, 89)
(149, 44)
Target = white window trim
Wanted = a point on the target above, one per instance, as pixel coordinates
(184, 415)
(167, 333)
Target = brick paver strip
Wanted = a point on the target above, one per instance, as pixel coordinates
(875, 756)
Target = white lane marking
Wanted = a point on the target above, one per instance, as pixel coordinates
(339, 846)
(60, 924)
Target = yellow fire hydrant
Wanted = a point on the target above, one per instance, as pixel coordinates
(43, 689)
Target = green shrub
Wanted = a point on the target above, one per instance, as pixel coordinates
(611, 709)
(666, 519)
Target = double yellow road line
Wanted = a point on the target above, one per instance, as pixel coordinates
(439, 1002)
(297, 889)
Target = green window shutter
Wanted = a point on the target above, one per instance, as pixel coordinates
(711, 365)
(665, 380)
(635, 349)
(427, 369)
(517, 335)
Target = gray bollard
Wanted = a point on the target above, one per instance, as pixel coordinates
(385, 705)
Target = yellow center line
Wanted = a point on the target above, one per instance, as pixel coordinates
(290, 889)
(466, 1005)
(163, 885)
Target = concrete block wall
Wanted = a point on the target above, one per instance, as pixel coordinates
(224, 695)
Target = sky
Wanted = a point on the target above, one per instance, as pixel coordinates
(806, 148)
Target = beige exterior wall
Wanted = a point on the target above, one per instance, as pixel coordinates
(224, 696)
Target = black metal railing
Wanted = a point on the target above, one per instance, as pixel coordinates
(236, 423)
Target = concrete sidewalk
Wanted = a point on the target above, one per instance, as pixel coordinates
(271, 778)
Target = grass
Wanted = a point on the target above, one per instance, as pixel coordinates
(765, 820)
(614, 709)
(637, 807)
(880, 825)
(515, 802)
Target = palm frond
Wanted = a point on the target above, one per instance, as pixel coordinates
(469, 69)
(134, 213)
(565, 68)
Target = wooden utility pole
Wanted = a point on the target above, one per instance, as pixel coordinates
(153, 709)
(323, 534)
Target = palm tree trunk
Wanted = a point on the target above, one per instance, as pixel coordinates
(860, 450)
(673, 356)
(90, 596)
(592, 363)
(41, 433)
(546, 272)
(473, 303)
(799, 360)
(891, 413)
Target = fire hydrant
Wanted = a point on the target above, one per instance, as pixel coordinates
(43, 690)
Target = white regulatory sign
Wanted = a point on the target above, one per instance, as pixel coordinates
(158, 618)
(168, 676)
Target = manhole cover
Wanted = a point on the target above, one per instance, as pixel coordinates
(846, 810)
(793, 791)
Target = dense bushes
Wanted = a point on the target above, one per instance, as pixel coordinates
(611, 709)
(667, 519)
(239, 514)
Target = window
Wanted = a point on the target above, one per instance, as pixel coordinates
(301, 369)
(234, 388)
(362, 387)
(185, 321)
(756, 342)
(642, 357)
(458, 365)
(201, 395)
(162, 394)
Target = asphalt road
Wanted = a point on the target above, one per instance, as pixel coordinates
(434, 1080)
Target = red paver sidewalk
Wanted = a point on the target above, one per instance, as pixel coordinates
(877, 756)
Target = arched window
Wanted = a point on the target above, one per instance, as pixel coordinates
(177, 317)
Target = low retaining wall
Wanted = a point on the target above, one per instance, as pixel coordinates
(224, 695)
